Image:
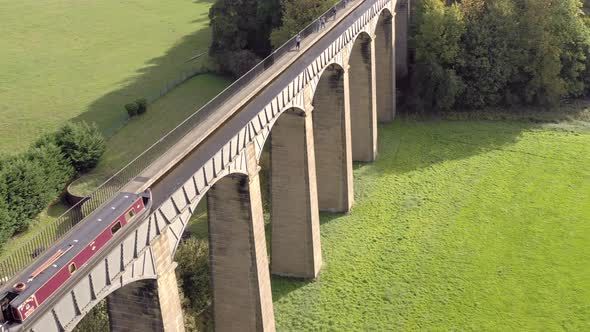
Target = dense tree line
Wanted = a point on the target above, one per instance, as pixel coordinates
(476, 53)
(245, 31)
(31, 180)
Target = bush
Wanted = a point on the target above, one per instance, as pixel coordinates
(193, 272)
(132, 109)
(142, 105)
(81, 144)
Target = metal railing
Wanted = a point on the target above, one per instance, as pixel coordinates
(45, 238)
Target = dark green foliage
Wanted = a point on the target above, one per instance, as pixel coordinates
(240, 62)
(241, 32)
(30, 181)
(142, 105)
(56, 167)
(26, 192)
(435, 84)
(97, 320)
(192, 256)
(82, 145)
(478, 53)
(192, 274)
(489, 49)
(297, 14)
(132, 109)
(6, 228)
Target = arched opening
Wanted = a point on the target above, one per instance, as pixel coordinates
(97, 319)
(363, 107)
(331, 133)
(289, 180)
(385, 63)
(192, 272)
(135, 307)
(239, 272)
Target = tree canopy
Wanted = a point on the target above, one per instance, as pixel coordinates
(478, 53)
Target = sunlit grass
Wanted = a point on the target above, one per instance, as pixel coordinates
(83, 60)
(479, 226)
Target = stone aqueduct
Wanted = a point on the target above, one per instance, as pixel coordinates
(321, 120)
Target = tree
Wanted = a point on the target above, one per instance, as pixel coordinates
(6, 224)
(56, 167)
(193, 271)
(241, 32)
(489, 50)
(554, 37)
(80, 143)
(297, 14)
(26, 193)
(435, 83)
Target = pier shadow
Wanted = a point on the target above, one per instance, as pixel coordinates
(438, 141)
(282, 286)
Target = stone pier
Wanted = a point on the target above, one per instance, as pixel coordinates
(385, 62)
(295, 237)
(363, 100)
(331, 128)
(242, 299)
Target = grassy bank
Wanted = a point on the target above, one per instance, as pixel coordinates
(65, 59)
(142, 131)
(460, 225)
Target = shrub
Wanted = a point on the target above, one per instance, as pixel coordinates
(132, 109)
(81, 144)
(6, 227)
(142, 105)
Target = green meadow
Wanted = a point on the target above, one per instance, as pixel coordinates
(83, 60)
(459, 226)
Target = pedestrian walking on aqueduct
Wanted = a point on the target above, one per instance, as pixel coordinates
(322, 22)
(298, 41)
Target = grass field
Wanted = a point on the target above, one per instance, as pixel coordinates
(83, 60)
(459, 226)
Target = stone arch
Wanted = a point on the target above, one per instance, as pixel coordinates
(88, 292)
(331, 128)
(136, 307)
(385, 64)
(363, 104)
(124, 292)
